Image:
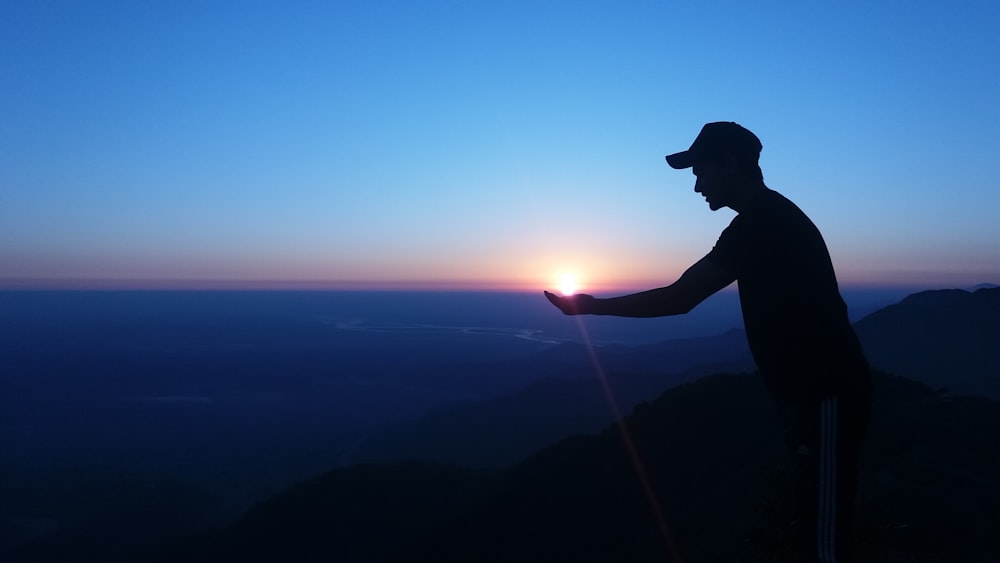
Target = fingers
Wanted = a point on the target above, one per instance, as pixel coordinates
(559, 302)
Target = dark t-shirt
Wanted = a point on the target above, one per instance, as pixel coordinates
(795, 318)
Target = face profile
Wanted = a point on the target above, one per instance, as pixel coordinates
(721, 185)
(707, 183)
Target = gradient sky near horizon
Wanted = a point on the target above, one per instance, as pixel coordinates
(483, 144)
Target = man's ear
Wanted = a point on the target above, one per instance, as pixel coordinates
(733, 167)
(728, 165)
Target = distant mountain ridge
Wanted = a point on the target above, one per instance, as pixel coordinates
(944, 338)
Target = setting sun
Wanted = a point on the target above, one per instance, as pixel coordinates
(568, 284)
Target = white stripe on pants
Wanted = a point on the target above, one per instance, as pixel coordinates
(826, 521)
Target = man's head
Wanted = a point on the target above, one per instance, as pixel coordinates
(724, 158)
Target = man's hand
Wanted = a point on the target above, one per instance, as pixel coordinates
(579, 304)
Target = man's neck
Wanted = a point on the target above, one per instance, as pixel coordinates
(746, 195)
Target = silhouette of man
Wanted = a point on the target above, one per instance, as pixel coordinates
(796, 325)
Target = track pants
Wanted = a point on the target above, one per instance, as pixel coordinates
(824, 440)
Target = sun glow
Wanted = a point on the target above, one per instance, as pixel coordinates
(568, 284)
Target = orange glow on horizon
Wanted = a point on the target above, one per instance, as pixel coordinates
(523, 285)
(556, 282)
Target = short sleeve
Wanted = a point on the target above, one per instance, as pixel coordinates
(729, 252)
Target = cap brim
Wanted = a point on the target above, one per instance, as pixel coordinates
(680, 160)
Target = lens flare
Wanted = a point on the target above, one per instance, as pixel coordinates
(630, 448)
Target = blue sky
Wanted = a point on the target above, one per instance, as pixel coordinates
(499, 144)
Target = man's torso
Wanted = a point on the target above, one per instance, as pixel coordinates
(795, 318)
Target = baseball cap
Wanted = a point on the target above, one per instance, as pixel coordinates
(721, 138)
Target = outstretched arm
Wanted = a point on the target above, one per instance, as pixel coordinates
(697, 283)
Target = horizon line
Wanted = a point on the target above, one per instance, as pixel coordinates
(188, 284)
(194, 284)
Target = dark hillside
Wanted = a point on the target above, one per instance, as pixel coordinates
(566, 398)
(930, 485)
(495, 433)
(704, 446)
(716, 465)
(354, 514)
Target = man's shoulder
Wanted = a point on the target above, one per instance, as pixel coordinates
(773, 198)
(772, 206)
